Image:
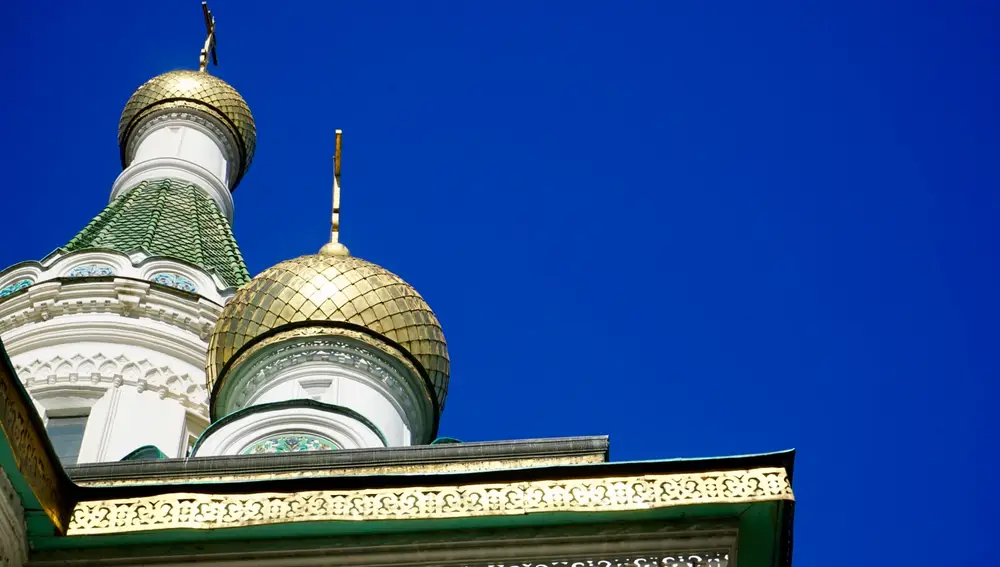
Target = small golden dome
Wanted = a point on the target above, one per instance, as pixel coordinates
(338, 288)
(192, 90)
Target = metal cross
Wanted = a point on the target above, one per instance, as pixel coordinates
(209, 41)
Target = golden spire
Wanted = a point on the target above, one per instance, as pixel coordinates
(334, 247)
(209, 47)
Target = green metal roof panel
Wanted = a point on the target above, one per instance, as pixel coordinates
(168, 218)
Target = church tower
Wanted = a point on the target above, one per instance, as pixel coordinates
(160, 407)
(109, 333)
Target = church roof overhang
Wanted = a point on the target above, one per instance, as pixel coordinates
(258, 498)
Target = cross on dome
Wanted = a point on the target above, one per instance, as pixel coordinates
(209, 46)
(334, 247)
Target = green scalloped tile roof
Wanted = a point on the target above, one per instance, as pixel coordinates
(168, 218)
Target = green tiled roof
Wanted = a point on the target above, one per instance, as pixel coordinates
(167, 218)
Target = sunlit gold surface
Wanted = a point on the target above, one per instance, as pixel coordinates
(332, 288)
(213, 511)
(334, 248)
(187, 90)
(27, 448)
(353, 470)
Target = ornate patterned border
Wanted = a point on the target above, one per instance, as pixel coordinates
(214, 124)
(332, 345)
(213, 511)
(28, 447)
(353, 470)
(304, 332)
(100, 370)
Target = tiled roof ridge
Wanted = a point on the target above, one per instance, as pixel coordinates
(171, 218)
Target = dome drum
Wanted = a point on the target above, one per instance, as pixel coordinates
(333, 363)
(208, 123)
(328, 427)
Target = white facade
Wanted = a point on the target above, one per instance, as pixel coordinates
(115, 342)
(187, 146)
(338, 430)
(127, 353)
(370, 398)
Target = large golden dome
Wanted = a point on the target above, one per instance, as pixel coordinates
(336, 288)
(192, 90)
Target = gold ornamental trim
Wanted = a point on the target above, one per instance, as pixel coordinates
(425, 468)
(215, 511)
(28, 447)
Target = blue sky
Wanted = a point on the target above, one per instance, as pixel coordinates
(701, 228)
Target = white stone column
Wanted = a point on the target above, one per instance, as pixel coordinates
(185, 146)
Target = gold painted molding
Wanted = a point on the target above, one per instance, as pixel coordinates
(426, 468)
(214, 511)
(28, 447)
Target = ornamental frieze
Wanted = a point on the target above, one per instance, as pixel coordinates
(29, 450)
(214, 511)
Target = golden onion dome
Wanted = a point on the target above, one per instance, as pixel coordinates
(192, 90)
(331, 288)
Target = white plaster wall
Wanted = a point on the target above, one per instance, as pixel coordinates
(188, 146)
(125, 419)
(184, 140)
(338, 371)
(128, 353)
(334, 384)
(232, 438)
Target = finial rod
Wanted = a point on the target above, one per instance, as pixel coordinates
(335, 220)
(209, 47)
(334, 247)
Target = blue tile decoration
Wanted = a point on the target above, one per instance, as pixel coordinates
(175, 281)
(14, 287)
(290, 444)
(91, 271)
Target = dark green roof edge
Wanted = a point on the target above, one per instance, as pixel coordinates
(145, 453)
(167, 218)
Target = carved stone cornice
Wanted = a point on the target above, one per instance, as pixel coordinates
(338, 346)
(46, 300)
(116, 372)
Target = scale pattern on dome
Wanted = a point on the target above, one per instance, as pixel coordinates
(192, 90)
(167, 218)
(332, 288)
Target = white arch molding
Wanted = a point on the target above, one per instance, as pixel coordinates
(233, 437)
(126, 352)
(335, 370)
